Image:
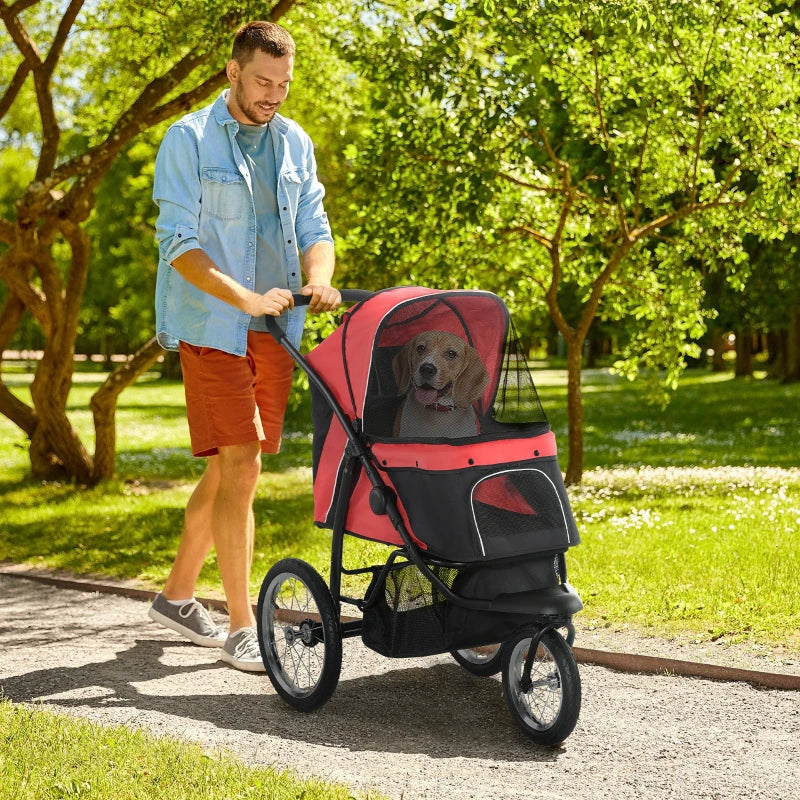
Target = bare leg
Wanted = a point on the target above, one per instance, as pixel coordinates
(233, 527)
(197, 538)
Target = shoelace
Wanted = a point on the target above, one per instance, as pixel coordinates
(247, 646)
(187, 609)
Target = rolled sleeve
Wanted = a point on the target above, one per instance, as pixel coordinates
(177, 193)
(312, 222)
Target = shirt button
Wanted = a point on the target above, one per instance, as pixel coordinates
(248, 279)
(290, 241)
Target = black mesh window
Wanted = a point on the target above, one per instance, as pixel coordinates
(448, 368)
(515, 505)
(516, 400)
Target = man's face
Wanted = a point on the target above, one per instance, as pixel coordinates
(259, 87)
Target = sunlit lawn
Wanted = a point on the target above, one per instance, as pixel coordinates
(46, 756)
(689, 516)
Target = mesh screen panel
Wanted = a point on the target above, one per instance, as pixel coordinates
(448, 368)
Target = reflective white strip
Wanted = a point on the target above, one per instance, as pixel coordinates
(338, 471)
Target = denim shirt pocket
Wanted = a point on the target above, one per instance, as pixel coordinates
(293, 181)
(225, 193)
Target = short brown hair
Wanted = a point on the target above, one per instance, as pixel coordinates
(265, 36)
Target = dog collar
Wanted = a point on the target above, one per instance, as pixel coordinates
(439, 407)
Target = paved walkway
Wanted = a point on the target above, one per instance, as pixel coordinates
(412, 729)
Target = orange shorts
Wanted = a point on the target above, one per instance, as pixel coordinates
(236, 399)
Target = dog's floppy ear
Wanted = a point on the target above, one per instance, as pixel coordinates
(471, 381)
(401, 366)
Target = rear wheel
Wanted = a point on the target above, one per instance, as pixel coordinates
(299, 635)
(545, 707)
(483, 661)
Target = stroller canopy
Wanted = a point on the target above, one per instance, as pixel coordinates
(358, 361)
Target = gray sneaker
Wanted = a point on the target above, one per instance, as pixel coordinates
(190, 620)
(241, 651)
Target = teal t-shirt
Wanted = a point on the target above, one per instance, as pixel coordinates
(255, 142)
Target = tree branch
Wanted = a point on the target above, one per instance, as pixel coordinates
(64, 27)
(30, 295)
(539, 237)
(104, 404)
(12, 90)
(7, 231)
(20, 36)
(185, 101)
(51, 130)
(17, 8)
(590, 308)
(129, 124)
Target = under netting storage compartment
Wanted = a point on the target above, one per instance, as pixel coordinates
(410, 617)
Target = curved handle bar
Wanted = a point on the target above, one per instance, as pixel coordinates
(348, 296)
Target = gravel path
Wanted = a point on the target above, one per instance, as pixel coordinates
(412, 729)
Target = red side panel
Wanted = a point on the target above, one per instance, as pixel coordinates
(435, 457)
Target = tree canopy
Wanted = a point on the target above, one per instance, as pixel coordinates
(570, 150)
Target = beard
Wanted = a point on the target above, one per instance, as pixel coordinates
(256, 114)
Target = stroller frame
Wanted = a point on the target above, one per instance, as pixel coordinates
(535, 644)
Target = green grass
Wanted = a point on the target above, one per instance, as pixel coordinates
(45, 756)
(689, 515)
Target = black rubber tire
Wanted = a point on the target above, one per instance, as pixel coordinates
(482, 665)
(295, 619)
(549, 711)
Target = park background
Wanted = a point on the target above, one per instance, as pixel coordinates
(623, 174)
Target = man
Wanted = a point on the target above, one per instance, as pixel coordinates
(239, 200)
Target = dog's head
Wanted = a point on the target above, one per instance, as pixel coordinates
(438, 364)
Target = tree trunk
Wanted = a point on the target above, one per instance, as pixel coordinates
(56, 448)
(792, 372)
(744, 353)
(104, 407)
(718, 346)
(574, 472)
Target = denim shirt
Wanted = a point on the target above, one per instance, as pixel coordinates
(203, 190)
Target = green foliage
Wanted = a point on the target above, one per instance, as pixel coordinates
(519, 147)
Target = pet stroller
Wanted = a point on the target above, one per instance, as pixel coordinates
(477, 517)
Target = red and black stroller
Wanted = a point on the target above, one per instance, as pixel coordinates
(429, 436)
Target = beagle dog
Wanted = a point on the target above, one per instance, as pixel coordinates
(441, 376)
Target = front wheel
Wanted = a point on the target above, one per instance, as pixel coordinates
(545, 706)
(483, 661)
(299, 635)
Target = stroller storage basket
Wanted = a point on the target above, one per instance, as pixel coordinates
(409, 617)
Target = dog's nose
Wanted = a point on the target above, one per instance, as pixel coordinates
(427, 370)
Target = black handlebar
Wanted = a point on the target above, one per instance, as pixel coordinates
(348, 296)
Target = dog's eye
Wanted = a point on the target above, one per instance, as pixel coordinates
(420, 349)
(451, 354)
